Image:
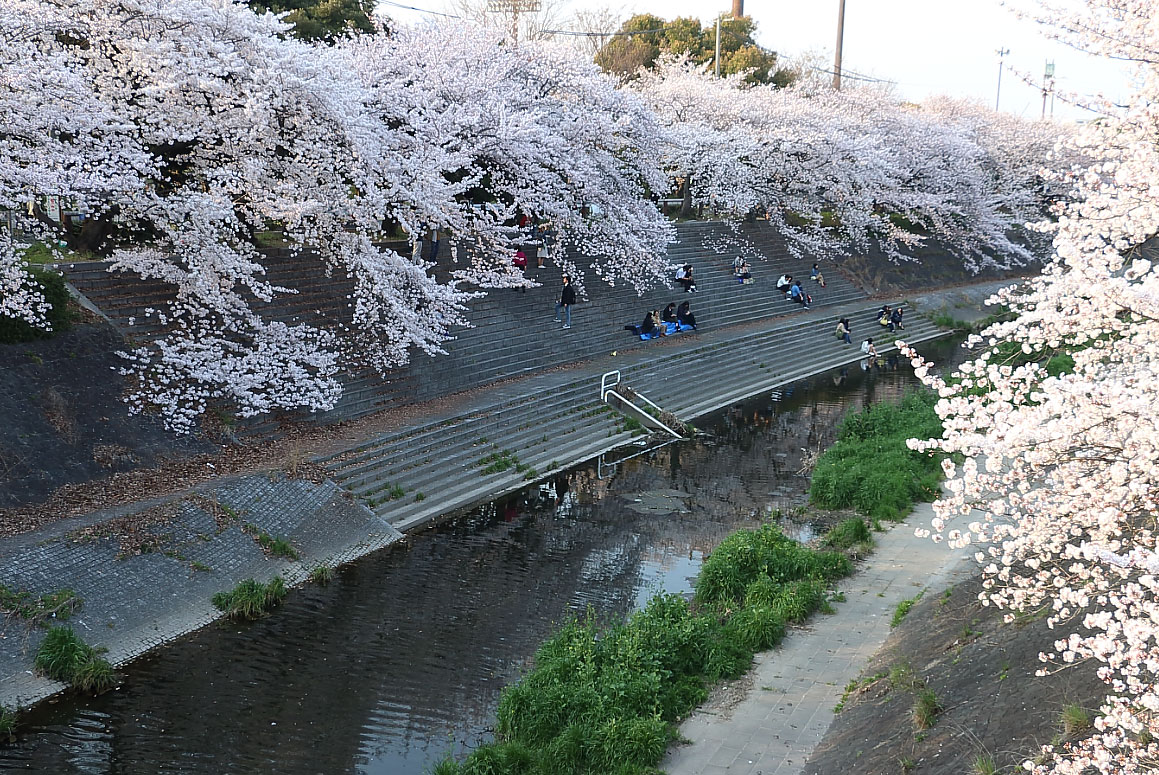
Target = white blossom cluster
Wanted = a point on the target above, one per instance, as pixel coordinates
(1060, 473)
(839, 171)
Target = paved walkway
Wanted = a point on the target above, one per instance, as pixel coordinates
(789, 708)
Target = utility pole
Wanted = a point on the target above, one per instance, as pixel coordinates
(718, 44)
(514, 8)
(840, 38)
(1047, 78)
(1002, 52)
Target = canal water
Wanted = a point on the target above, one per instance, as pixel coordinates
(400, 659)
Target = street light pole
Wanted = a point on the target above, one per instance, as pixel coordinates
(1002, 52)
(840, 39)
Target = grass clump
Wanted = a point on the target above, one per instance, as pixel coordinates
(606, 699)
(277, 547)
(926, 709)
(499, 461)
(849, 533)
(63, 656)
(903, 608)
(984, 765)
(321, 574)
(1075, 720)
(871, 469)
(250, 599)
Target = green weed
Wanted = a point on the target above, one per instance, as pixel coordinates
(871, 469)
(320, 574)
(63, 656)
(926, 709)
(1075, 719)
(984, 765)
(54, 605)
(250, 599)
(903, 608)
(200, 566)
(278, 547)
(607, 698)
(497, 462)
(8, 719)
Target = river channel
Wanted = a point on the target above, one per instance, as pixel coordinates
(400, 659)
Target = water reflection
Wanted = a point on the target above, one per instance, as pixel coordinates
(401, 659)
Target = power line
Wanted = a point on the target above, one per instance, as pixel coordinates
(845, 75)
(420, 10)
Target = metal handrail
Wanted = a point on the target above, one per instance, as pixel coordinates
(605, 385)
(649, 418)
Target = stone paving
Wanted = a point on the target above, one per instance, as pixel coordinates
(134, 602)
(795, 687)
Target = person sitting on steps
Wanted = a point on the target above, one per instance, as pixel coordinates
(784, 283)
(843, 330)
(648, 326)
(895, 320)
(741, 270)
(685, 316)
(685, 278)
(798, 295)
(883, 315)
(817, 276)
(669, 313)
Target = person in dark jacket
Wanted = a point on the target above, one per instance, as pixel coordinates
(566, 299)
(895, 320)
(684, 315)
(649, 325)
(669, 313)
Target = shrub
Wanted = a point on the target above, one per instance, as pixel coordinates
(63, 656)
(251, 599)
(55, 293)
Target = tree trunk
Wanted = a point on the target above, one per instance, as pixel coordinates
(686, 205)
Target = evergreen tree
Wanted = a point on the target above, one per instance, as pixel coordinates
(321, 19)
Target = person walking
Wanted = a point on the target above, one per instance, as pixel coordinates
(566, 299)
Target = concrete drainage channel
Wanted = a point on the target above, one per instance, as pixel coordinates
(378, 491)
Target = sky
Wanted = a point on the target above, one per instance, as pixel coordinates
(923, 46)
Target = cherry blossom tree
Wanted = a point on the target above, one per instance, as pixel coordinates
(836, 171)
(1060, 462)
(530, 130)
(185, 127)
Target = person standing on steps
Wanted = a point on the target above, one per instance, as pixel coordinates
(434, 238)
(566, 299)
